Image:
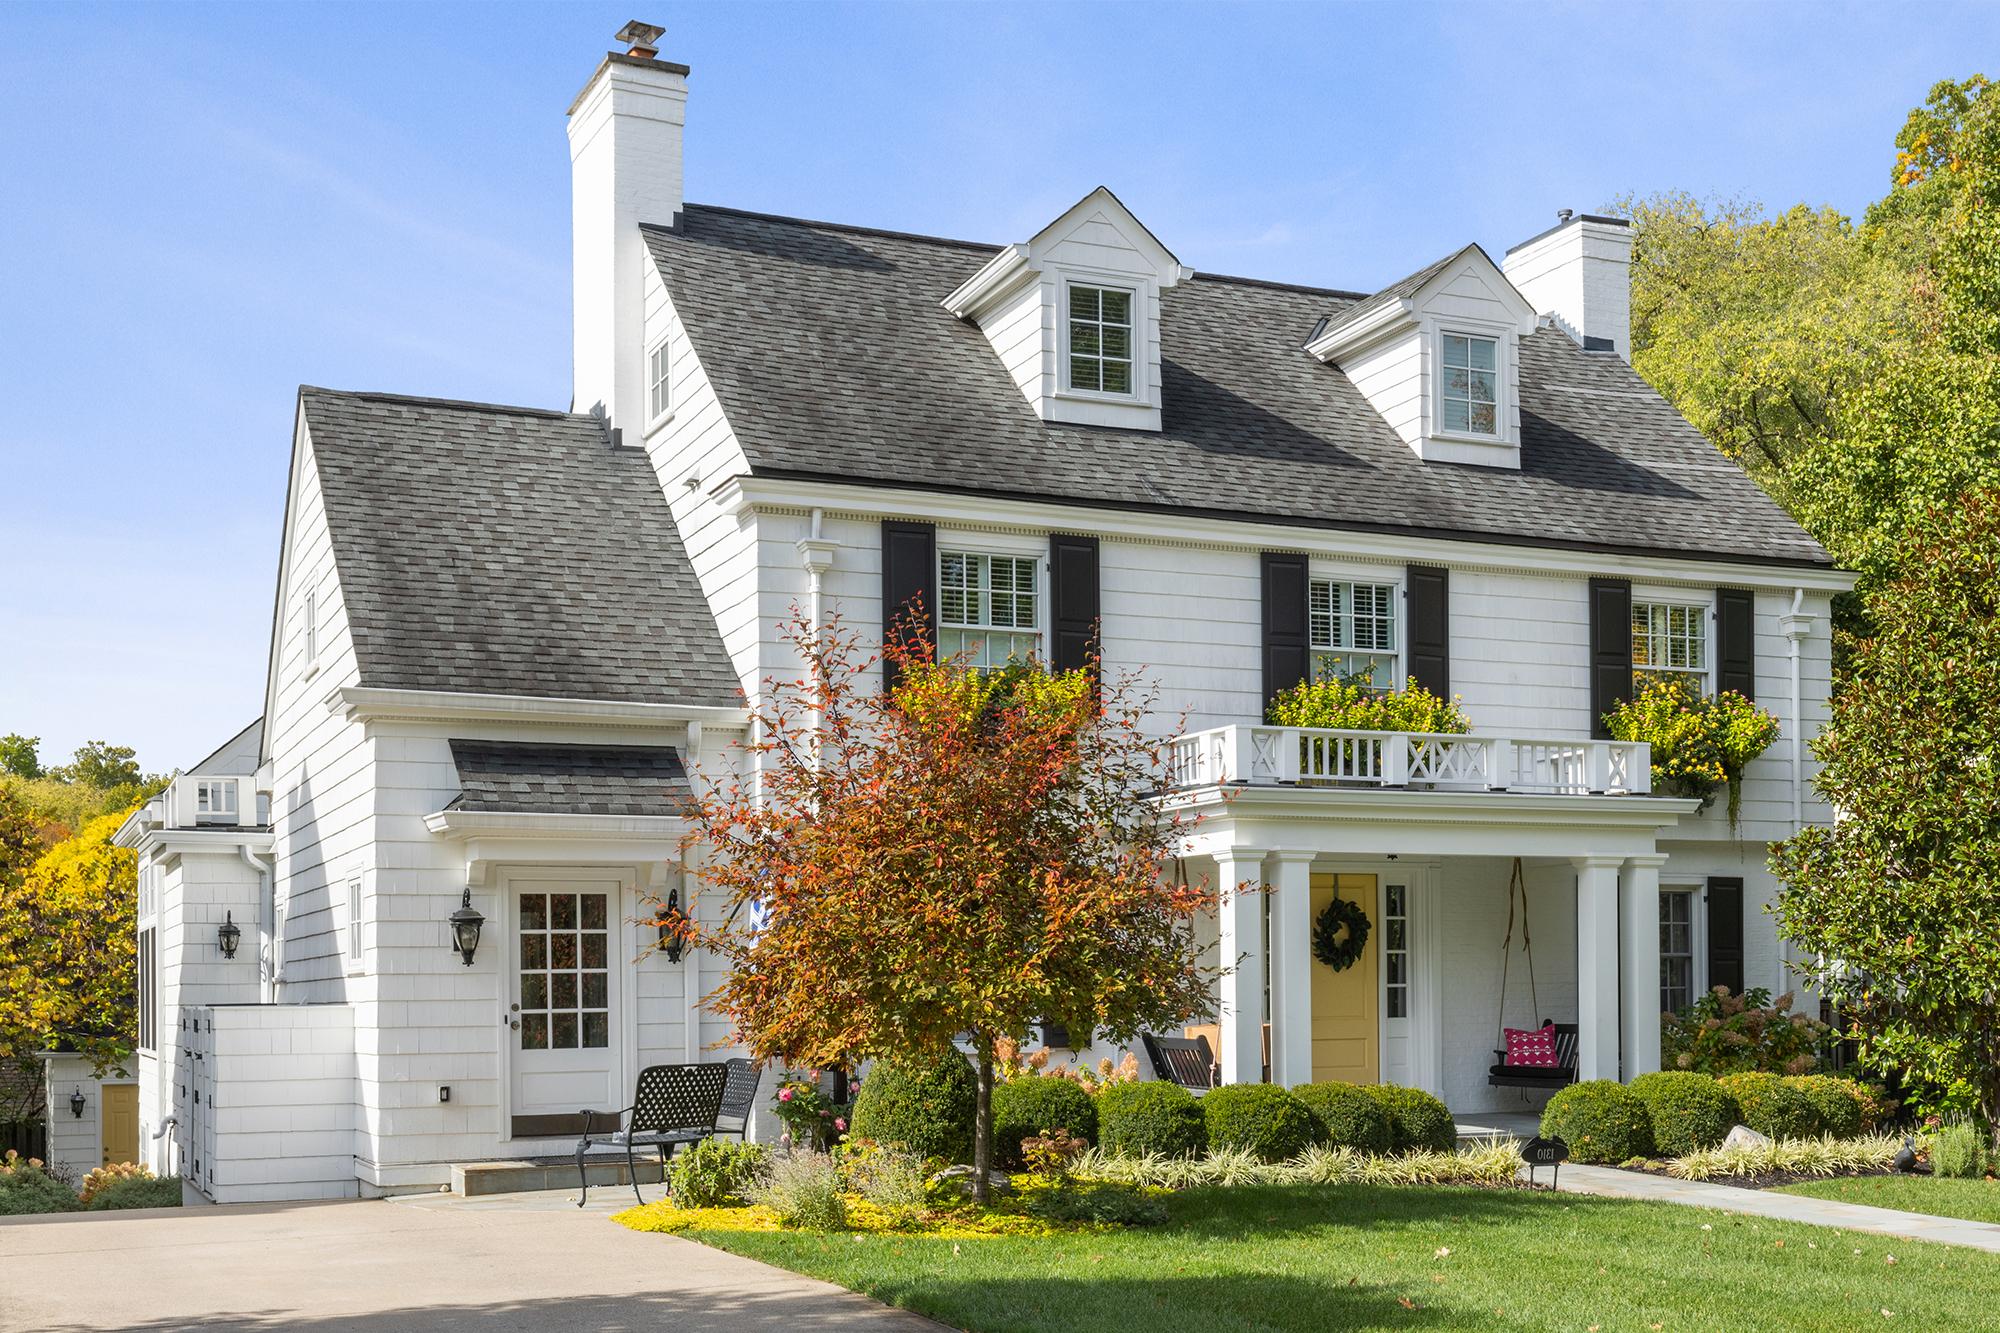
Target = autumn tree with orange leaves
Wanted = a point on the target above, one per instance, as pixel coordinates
(953, 860)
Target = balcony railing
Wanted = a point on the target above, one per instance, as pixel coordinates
(192, 801)
(1264, 756)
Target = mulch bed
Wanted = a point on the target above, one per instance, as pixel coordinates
(1768, 1180)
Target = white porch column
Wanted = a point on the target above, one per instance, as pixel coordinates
(1597, 966)
(1242, 950)
(1639, 964)
(1291, 969)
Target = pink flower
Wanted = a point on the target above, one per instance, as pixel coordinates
(840, 1123)
(784, 1094)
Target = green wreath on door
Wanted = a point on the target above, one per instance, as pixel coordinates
(1330, 946)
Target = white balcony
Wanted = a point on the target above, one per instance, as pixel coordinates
(213, 801)
(1266, 756)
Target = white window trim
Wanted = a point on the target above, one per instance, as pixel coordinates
(654, 420)
(1499, 372)
(354, 891)
(1399, 612)
(1697, 896)
(309, 616)
(1506, 354)
(1141, 393)
(1038, 553)
(1703, 602)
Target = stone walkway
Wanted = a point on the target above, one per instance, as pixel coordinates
(1610, 1182)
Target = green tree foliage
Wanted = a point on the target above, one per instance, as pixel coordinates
(101, 765)
(20, 755)
(1899, 894)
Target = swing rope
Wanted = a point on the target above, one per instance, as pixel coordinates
(1517, 887)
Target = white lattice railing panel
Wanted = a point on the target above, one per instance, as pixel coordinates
(1321, 756)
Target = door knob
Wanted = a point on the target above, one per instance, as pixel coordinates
(516, 1025)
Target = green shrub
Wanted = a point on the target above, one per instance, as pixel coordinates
(1724, 1033)
(1027, 1104)
(1107, 1202)
(1261, 1119)
(1688, 1111)
(137, 1192)
(1835, 1101)
(714, 1173)
(1418, 1122)
(883, 1176)
(1959, 1149)
(924, 1106)
(1350, 704)
(27, 1187)
(1348, 1115)
(1601, 1121)
(803, 1190)
(1771, 1106)
(1150, 1119)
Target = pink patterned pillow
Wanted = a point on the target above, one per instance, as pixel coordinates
(1532, 1046)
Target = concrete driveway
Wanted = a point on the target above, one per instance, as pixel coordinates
(436, 1262)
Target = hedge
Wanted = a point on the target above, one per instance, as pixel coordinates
(1026, 1105)
(1688, 1111)
(1835, 1101)
(921, 1106)
(1418, 1122)
(1259, 1118)
(1349, 1115)
(1140, 1119)
(1772, 1106)
(1601, 1121)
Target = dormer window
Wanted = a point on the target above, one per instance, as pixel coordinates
(1470, 385)
(1100, 339)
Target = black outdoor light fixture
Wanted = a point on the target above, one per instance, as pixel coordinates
(672, 922)
(76, 1102)
(465, 924)
(227, 934)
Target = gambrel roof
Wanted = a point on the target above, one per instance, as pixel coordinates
(834, 360)
(505, 550)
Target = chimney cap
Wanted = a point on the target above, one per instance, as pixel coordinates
(642, 38)
(1563, 215)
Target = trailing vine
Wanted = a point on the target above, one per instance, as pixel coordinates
(1338, 951)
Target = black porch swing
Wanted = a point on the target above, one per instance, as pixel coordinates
(1503, 1075)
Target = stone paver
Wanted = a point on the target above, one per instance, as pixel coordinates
(1613, 1183)
(515, 1262)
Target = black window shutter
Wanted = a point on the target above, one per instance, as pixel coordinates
(909, 587)
(1725, 932)
(1610, 649)
(1074, 601)
(1430, 628)
(1736, 641)
(1286, 633)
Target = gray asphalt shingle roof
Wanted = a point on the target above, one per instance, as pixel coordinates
(834, 360)
(511, 777)
(502, 550)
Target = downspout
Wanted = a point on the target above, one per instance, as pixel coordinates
(267, 925)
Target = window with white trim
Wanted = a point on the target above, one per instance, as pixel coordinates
(658, 391)
(1469, 391)
(149, 981)
(1676, 950)
(1396, 950)
(1100, 339)
(1670, 636)
(354, 918)
(989, 607)
(1353, 627)
(310, 613)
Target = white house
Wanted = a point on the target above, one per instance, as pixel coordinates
(507, 639)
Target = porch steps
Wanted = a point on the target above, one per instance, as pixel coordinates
(473, 1179)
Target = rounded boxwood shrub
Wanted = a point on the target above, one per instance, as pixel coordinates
(920, 1105)
(1350, 1117)
(1136, 1119)
(1418, 1122)
(1836, 1101)
(1601, 1121)
(1026, 1105)
(1688, 1111)
(1771, 1106)
(1260, 1118)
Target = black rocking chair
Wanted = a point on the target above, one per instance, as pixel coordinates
(1187, 1061)
(673, 1104)
(739, 1098)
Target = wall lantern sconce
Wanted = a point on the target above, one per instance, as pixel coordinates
(465, 924)
(227, 934)
(76, 1102)
(673, 925)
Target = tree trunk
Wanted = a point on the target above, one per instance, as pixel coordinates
(982, 1122)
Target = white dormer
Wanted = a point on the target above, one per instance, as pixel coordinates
(1438, 355)
(1074, 314)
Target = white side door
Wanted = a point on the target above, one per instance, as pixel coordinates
(564, 1018)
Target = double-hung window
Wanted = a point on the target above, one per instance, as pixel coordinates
(1670, 636)
(989, 607)
(658, 395)
(1354, 632)
(1100, 339)
(1470, 396)
(149, 981)
(1676, 950)
(309, 613)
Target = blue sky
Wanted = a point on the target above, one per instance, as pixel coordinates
(204, 207)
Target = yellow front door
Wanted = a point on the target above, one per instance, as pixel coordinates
(121, 1122)
(1346, 1030)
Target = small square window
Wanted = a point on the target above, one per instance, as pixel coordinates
(1469, 402)
(1100, 339)
(657, 387)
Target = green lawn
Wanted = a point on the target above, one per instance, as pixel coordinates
(1359, 1257)
(1975, 1200)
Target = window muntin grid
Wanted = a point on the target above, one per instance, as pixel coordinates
(565, 971)
(1676, 951)
(1353, 632)
(989, 607)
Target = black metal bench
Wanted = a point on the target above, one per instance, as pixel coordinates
(1187, 1061)
(672, 1105)
(739, 1098)
(1558, 1075)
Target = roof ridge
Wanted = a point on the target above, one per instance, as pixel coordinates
(462, 404)
(850, 227)
(1308, 288)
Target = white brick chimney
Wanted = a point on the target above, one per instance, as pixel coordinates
(625, 168)
(1580, 270)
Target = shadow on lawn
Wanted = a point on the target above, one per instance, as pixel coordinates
(1224, 1212)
